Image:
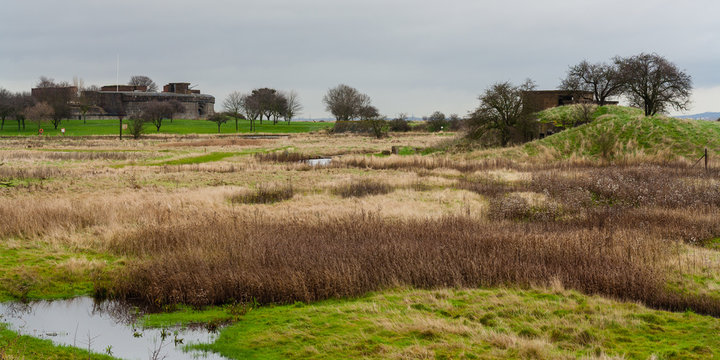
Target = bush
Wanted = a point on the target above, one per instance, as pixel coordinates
(265, 194)
(437, 122)
(399, 125)
(363, 187)
(135, 127)
(455, 123)
(357, 127)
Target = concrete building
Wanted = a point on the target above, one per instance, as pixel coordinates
(131, 100)
(128, 100)
(538, 100)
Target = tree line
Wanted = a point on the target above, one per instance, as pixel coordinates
(647, 81)
(260, 103)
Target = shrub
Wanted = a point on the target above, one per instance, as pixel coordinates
(362, 187)
(265, 194)
(605, 143)
(135, 127)
(437, 122)
(399, 125)
(358, 127)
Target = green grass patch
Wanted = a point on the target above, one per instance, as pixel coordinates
(14, 346)
(214, 156)
(178, 126)
(31, 270)
(185, 315)
(478, 323)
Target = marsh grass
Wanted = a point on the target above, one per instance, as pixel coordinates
(361, 188)
(213, 260)
(282, 156)
(265, 194)
(29, 173)
(576, 226)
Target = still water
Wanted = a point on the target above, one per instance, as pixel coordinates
(319, 162)
(103, 327)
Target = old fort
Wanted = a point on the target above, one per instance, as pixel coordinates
(112, 101)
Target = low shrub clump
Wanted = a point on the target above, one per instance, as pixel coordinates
(362, 187)
(265, 194)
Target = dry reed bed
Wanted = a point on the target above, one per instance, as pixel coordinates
(27, 173)
(216, 259)
(433, 162)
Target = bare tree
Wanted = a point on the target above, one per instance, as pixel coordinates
(292, 106)
(7, 106)
(219, 119)
(501, 108)
(278, 106)
(375, 122)
(345, 102)
(155, 111)
(654, 84)
(233, 105)
(85, 103)
(46, 82)
(38, 113)
(175, 107)
(21, 102)
(265, 102)
(252, 109)
(142, 80)
(116, 107)
(600, 78)
(58, 95)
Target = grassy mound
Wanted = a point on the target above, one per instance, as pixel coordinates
(617, 132)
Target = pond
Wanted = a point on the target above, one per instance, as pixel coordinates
(319, 162)
(107, 327)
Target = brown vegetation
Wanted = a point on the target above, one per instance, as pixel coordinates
(265, 194)
(572, 231)
(362, 187)
(619, 231)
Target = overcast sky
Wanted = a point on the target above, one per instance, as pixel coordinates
(409, 56)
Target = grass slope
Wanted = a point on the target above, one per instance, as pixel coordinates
(178, 126)
(629, 132)
(460, 323)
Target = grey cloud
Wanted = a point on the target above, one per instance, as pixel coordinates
(409, 56)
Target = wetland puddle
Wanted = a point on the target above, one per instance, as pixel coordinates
(83, 323)
(319, 162)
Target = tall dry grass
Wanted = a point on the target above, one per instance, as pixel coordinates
(216, 259)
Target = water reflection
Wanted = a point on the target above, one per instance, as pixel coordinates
(319, 162)
(103, 327)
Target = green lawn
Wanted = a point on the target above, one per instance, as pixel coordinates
(179, 126)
